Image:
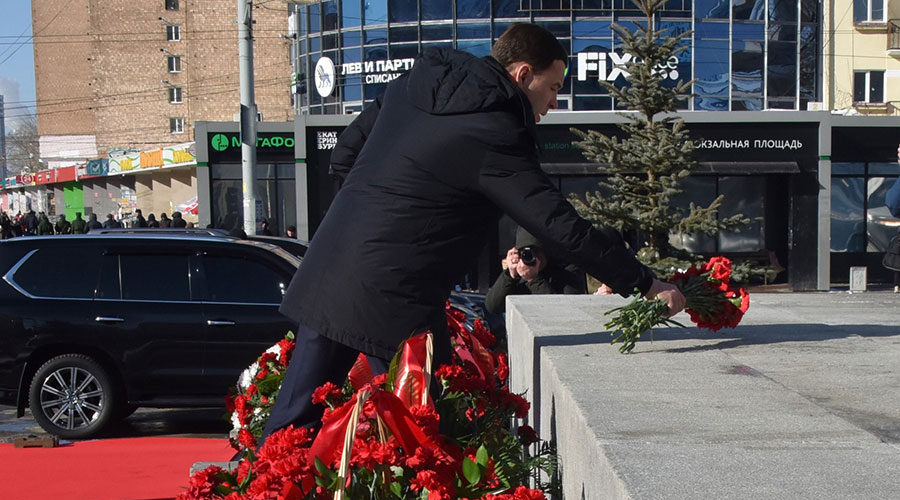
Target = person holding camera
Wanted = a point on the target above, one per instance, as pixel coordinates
(528, 270)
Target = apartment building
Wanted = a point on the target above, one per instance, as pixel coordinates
(861, 55)
(119, 85)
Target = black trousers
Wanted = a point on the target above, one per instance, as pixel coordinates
(316, 360)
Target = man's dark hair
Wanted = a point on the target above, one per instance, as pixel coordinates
(528, 43)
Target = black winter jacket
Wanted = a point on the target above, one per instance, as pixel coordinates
(568, 280)
(449, 148)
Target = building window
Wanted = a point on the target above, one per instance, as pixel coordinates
(868, 86)
(174, 64)
(171, 4)
(868, 11)
(176, 125)
(173, 33)
(175, 95)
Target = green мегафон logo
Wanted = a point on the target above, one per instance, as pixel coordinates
(220, 142)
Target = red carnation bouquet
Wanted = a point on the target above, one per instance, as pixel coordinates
(711, 302)
(250, 402)
(392, 437)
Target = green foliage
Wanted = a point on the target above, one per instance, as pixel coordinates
(646, 166)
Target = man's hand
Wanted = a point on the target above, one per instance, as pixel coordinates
(512, 262)
(531, 272)
(604, 289)
(668, 293)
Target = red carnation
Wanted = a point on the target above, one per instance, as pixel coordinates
(502, 366)
(246, 439)
(287, 349)
(326, 393)
(719, 268)
(201, 485)
(527, 435)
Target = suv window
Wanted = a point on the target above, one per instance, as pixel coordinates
(234, 279)
(155, 277)
(65, 272)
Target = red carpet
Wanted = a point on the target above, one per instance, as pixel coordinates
(109, 469)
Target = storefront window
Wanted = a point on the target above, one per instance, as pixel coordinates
(848, 226)
(700, 190)
(351, 39)
(404, 51)
(508, 8)
(375, 12)
(587, 103)
(744, 195)
(329, 15)
(437, 32)
(315, 18)
(273, 188)
(405, 34)
(404, 10)
(711, 68)
(375, 36)
(711, 9)
(436, 11)
(880, 225)
(591, 29)
(472, 9)
(471, 31)
(351, 13)
(782, 61)
(478, 48)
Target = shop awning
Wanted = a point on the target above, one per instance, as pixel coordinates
(706, 167)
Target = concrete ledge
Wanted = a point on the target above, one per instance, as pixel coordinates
(802, 401)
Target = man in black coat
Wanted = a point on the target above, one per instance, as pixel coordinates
(92, 223)
(429, 169)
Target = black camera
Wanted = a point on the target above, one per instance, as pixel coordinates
(527, 255)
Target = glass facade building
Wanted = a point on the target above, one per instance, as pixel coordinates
(743, 54)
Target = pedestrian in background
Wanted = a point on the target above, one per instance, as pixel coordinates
(265, 231)
(6, 223)
(45, 228)
(78, 225)
(92, 223)
(177, 221)
(151, 221)
(291, 232)
(139, 220)
(164, 221)
(111, 222)
(62, 225)
(31, 223)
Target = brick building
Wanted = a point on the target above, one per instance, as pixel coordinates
(118, 77)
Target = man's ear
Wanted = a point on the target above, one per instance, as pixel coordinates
(521, 73)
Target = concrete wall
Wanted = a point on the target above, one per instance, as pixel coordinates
(797, 402)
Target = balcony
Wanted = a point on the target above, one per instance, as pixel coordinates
(893, 38)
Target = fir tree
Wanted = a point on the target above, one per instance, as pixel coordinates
(646, 166)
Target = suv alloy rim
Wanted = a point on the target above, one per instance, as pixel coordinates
(71, 398)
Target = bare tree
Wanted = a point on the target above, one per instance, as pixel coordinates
(22, 150)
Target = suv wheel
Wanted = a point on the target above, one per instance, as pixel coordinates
(72, 396)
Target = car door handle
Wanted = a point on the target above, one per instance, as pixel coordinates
(213, 322)
(109, 319)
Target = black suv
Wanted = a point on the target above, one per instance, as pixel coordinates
(94, 326)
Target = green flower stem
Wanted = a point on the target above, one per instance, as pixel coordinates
(635, 318)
